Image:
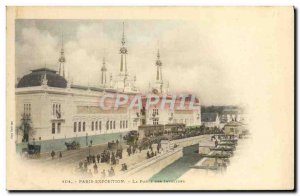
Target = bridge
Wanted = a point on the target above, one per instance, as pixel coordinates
(186, 147)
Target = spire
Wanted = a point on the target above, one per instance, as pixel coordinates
(123, 37)
(158, 67)
(103, 72)
(62, 58)
(110, 80)
(123, 52)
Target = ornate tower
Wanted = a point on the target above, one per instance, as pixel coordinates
(103, 73)
(62, 58)
(123, 82)
(158, 68)
(123, 52)
(159, 80)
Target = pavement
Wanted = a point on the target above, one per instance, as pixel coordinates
(71, 158)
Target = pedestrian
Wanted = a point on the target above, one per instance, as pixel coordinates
(158, 147)
(152, 154)
(151, 147)
(52, 154)
(95, 169)
(112, 171)
(85, 164)
(98, 158)
(90, 173)
(129, 151)
(80, 164)
(103, 174)
(216, 143)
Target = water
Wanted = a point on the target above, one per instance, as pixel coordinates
(180, 166)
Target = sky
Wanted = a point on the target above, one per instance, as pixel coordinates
(194, 55)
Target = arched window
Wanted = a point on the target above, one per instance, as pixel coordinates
(79, 126)
(92, 125)
(100, 125)
(58, 127)
(114, 124)
(126, 123)
(53, 128)
(75, 126)
(107, 125)
(110, 124)
(83, 126)
(96, 125)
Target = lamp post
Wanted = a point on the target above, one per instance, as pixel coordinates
(91, 143)
(86, 139)
(89, 151)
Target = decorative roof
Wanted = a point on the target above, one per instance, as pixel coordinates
(209, 117)
(36, 76)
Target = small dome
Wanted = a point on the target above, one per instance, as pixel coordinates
(35, 77)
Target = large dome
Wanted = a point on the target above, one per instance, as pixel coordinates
(35, 77)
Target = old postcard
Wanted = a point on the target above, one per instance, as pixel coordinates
(150, 98)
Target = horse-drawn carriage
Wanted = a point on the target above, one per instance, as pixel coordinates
(32, 151)
(131, 137)
(72, 145)
(112, 145)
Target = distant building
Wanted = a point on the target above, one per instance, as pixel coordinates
(229, 115)
(210, 119)
(234, 128)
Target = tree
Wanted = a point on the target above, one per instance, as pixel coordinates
(25, 128)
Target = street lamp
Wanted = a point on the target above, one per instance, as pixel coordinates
(86, 139)
(91, 143)
(89, 151)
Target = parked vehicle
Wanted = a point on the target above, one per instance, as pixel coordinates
(72, 145)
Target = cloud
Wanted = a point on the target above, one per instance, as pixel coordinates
(189, 55)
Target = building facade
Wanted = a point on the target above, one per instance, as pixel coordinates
(210, 119)
(50, 110)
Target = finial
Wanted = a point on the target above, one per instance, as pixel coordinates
(103, 65)
(123, 37)
(62, 40)
(158, 62)
(44, 80)
(62, 58)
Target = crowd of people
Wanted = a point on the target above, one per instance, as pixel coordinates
(110, 156)
(151, 153)
(52, 154)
